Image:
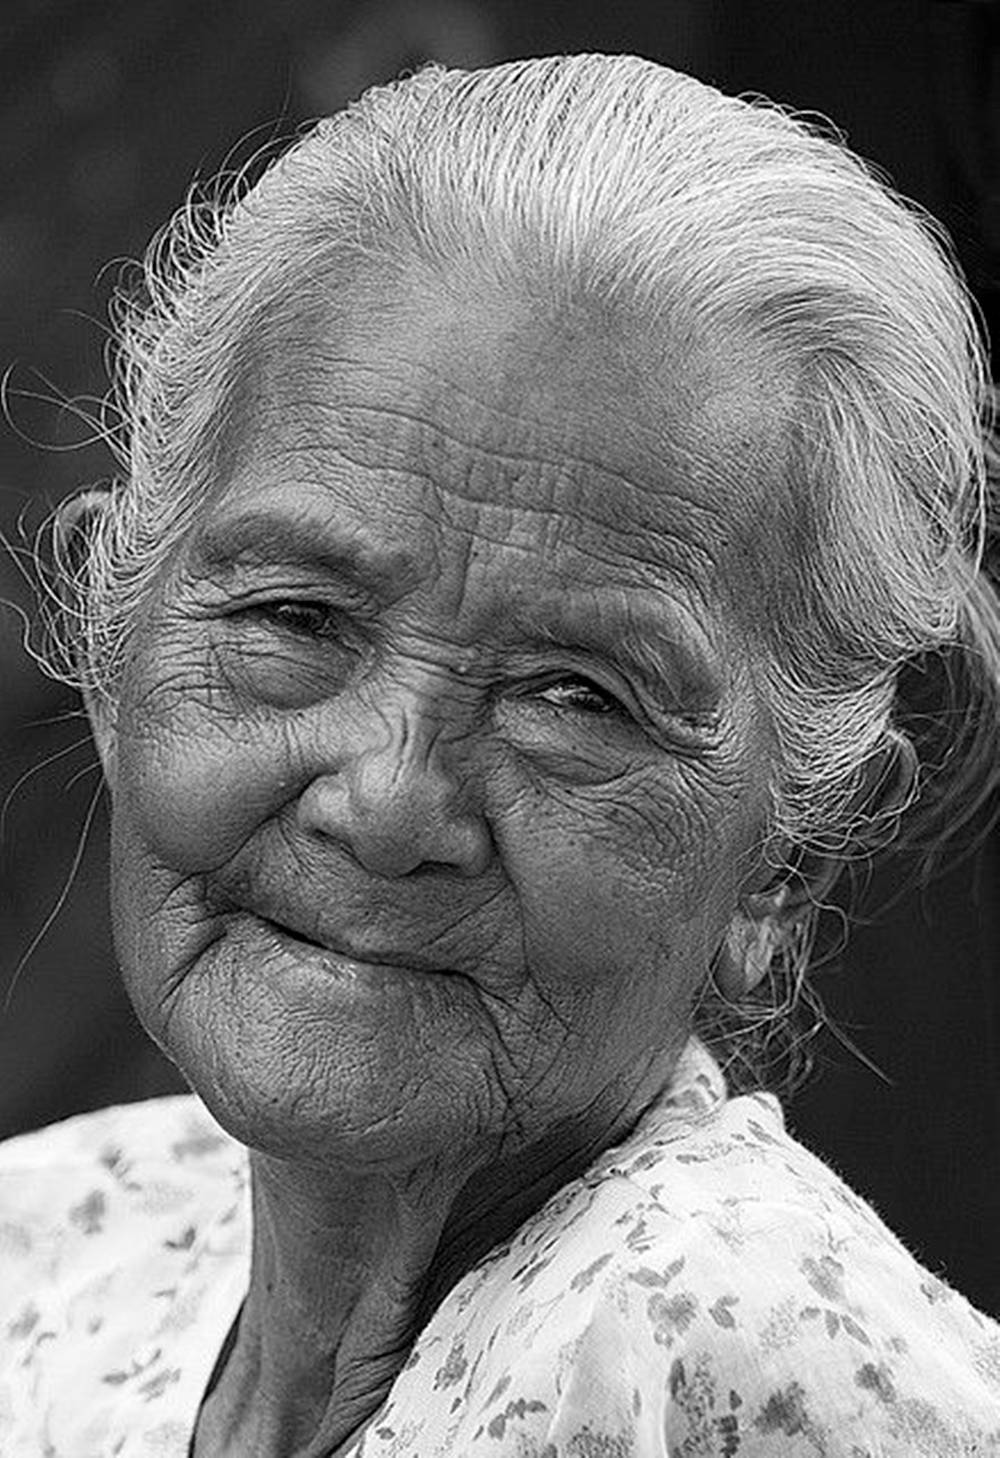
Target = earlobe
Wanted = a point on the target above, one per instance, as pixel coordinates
(745, 955)
(771, 918)
(103, 726)
(768, 919)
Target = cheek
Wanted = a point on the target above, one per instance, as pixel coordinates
(634, 880)
(191, 783)
(190, 787)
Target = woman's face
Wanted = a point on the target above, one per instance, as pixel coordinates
(439, 767)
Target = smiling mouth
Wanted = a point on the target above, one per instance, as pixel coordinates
(362, 957)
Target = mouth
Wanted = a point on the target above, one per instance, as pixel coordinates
(341, 951)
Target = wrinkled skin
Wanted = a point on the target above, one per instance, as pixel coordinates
(449, 679)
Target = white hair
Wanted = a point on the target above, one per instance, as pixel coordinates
(614, 179)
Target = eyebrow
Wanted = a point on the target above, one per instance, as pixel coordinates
(271, 539)
(664, 644)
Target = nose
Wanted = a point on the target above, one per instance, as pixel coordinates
(395, 795)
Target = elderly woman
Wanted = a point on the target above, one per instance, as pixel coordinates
(534, 487)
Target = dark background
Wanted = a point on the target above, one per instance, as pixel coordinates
(107, 112)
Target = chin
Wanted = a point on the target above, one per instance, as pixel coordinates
(352, 1127)
(313, 1059)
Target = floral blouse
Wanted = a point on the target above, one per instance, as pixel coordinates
(708, 1289)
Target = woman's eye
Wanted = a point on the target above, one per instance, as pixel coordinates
(581, 696)
(304, 619)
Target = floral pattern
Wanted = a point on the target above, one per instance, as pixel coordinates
(709, 1289)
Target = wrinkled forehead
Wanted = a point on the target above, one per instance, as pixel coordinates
(654, 443)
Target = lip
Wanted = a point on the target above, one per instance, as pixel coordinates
(377, 960)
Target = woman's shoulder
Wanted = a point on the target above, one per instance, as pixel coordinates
(107, 1185)
(171, 1128)
(710, 1286)
(786, 1309)
(72, 1174)
(123, 1255)
(85, 1173)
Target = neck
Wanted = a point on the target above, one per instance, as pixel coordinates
(338, 1273)
(346, 1270)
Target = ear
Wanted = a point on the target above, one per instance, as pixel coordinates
(72, 526)
(104, 728)
(768, 917)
